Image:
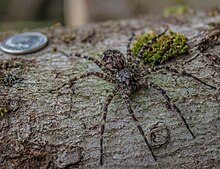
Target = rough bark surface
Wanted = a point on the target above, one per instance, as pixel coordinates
(61, 129)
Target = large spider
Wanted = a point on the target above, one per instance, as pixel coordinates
(128, 75)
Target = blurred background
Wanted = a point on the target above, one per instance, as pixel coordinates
(20, 14)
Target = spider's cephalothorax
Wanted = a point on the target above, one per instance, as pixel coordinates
(128, 75)
(126, 80)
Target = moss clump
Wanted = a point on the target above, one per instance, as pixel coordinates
(3, 111)
(178, 9)
(164, 48)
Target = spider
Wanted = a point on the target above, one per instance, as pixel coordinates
(128, 75)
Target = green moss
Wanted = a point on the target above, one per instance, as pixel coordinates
(3, 110)
(166, 47)
(178, 9)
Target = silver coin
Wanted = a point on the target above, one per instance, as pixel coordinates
(24, 43)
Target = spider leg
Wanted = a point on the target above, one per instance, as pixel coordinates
(97, 74)
(145, 46)
(129, 53)
(150, 84)
(183, 73)
(133, 62)
(131, 112)
(97, 62)
(104, 115)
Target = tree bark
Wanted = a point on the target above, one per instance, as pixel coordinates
(44, 129)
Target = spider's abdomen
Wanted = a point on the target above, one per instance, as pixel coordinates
(113, 60)
(126, 81)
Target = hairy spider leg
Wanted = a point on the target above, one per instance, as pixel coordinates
(183, 73)
(162, 91)
(97, 62)
(132, 62)
(147, 45)
(129, 53)
(97, 74)
(104, 115)
(131, 112)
